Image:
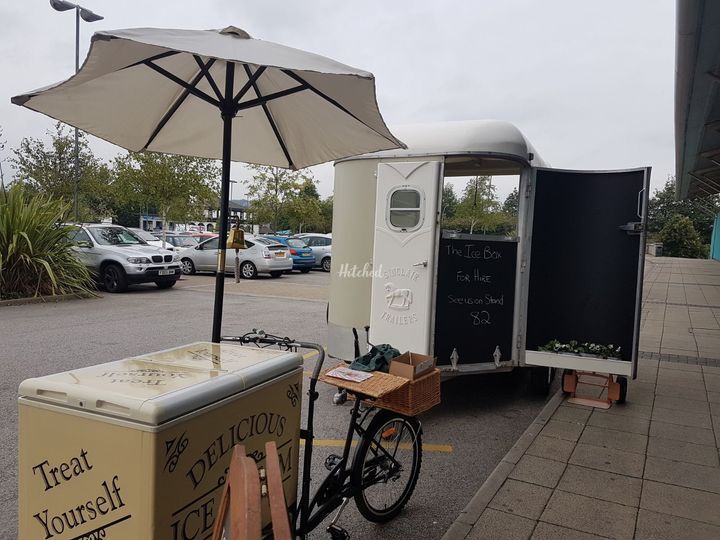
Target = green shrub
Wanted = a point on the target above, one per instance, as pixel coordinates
(35, 255)
(680, 239)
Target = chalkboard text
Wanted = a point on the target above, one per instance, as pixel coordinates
(480, 317)
(476, 277)
(487, 300)
(472, 251)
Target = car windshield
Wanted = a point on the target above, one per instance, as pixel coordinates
(145, 235)
(296, 243)
(183, 241)
(114, 236)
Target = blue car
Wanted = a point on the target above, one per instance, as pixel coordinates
(302, 256)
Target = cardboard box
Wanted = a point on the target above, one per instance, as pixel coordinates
(411, 365)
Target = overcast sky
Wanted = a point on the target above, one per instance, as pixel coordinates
(589, 83)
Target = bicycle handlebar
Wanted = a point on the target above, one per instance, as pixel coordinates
(260, 337)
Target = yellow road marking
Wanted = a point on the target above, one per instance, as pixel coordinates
(339, 443)
(444, 448)
(308, 356)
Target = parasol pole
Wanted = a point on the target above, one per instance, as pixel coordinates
(227, 113)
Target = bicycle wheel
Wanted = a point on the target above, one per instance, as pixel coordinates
(387, 465)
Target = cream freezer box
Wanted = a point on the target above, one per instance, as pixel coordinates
(139, 448)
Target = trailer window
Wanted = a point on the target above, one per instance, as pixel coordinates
(405, 209)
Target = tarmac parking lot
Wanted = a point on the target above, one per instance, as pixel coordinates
(479, 419)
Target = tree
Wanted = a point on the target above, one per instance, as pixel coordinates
(178, 188)
(449, 202)
(49, 169)
(680, 239)
(309, 189)
(326, 215)
(284, 198)
(479, 209)
(2, 148)
(511, 206)
(301, 214)
(663, 206)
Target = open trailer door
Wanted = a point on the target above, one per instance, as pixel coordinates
(404, 254)
(587, 241)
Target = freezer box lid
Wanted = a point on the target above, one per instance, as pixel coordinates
(157, 387)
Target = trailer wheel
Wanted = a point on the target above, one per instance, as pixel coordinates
(622, 381)
(540, 380)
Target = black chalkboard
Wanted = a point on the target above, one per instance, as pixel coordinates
(583, 266)
(475, 298)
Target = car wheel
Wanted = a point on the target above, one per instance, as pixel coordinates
(326, 264)
(113, 277)
(188, 267)
(276, 274)
(165, 284)
(248, 270)
(305, 270)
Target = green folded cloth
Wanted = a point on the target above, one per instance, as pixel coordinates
(376, 359)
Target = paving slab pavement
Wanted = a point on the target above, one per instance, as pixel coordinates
(646, 469)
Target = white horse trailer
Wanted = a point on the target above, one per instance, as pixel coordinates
(482, 303)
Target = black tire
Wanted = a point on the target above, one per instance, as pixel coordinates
(305, 270)
(166, 284)
(276, 274)
(248, 270)
(114, 278)
(623, 382)
(385, 474)
(188, 267)
(325, 264)
(540, 380)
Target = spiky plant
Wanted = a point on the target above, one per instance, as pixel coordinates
(36, 258)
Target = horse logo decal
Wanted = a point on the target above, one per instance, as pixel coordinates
(398, 298)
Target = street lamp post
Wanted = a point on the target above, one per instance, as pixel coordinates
(87, 16)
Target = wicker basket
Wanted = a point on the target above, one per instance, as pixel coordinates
(412, 399)
(392, 392)
(376, 386)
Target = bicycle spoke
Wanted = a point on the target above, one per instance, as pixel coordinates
(389, 468)
(398, 440)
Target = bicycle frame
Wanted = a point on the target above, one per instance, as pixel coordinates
(334, 489)
(306, 522)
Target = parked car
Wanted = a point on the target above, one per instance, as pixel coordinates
(150, 238)
(302, 256)
(260, 257)
(117, 257)
(179, 241)
(321, 245)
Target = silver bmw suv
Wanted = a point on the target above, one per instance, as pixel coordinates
(117, 257)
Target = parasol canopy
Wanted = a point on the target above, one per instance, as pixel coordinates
(218, 94)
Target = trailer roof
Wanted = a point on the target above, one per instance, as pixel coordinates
(470, 137)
